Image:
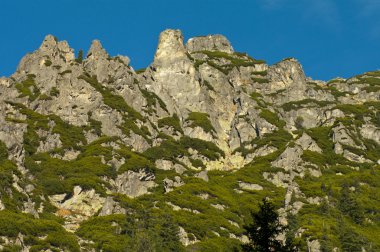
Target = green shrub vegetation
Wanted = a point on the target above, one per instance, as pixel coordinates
(260, 73)
(117, 102)
(141, 70)
(199, 119)
(48, 63)
(79, 59)
(152, 99)
(172, 121)
(272, 118)
(208, 85)
(347, 216)
(54, 91)
(28, 88)
(11, 224)
(70, 135)
(144, 230)
(259, 80)
(114, 101)
(85, 171)
(305, 103)
(259, 99)
(235, 60)
(335, 92)
(3, 151)
(171, 149)
(279, 139)
(65, 72)
(134, 161)
(44, 97)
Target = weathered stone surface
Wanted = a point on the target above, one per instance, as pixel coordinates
(289, 159)
(52, 142)
(369, 131)
(307, 143)
(218, 206)
(169, 184)
(30, 208)
(134, 184)
(313, 246)
(202, 175)
(58, 52)
(111, 207)
(2, 207)
(262, 151)
(86, 203)
(209, 43)
(250, 187)
(287, 73)
(280, 179)
(185, 238)
(164, 164)
(230, 89)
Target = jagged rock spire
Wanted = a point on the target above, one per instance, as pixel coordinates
(209, 43)
(48, 43)
(97, 51)
(58, 52)
(170, 46)
(51, 44)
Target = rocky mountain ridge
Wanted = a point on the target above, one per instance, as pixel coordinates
(202, 134)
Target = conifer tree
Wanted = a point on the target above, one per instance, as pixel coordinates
(262, 233)
(80, 57)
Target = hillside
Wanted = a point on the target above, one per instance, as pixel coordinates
(96, 156)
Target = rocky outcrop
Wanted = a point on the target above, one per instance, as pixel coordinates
(77, 207)
(202, 175)
(175, 79)
(287, 76)
(111, 207)
(341, 137)
(369, 131)
(185, 238)
(209, 43)
(169, 184)
(2, 207)
(133, 184)
(307, 143)
(250, 187)
(82, 202)
(51, 52)
(198, 114)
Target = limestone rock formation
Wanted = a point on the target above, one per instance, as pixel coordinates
(209, 43)
(195, 140)
(133, 184)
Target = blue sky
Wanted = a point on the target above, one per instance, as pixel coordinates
(329, 37)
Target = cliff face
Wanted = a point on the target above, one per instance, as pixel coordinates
(201, 135)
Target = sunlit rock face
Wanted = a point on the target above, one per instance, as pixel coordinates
(91, 148)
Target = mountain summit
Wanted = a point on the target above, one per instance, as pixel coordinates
(96, 156)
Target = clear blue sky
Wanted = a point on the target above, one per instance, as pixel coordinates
(329, 37)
